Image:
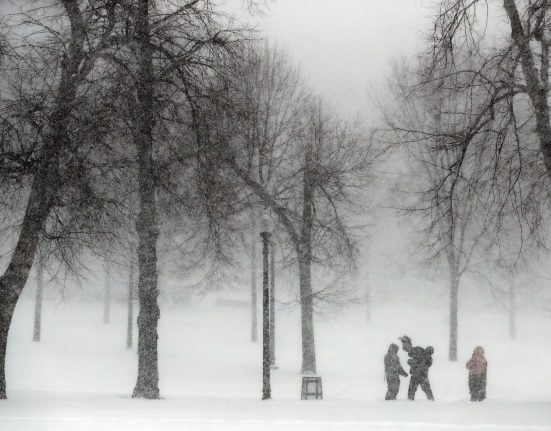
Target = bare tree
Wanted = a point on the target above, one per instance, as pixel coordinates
(492, 134)
(50, 122)
(510, 76)
(302, 164)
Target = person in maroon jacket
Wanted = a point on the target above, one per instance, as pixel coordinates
(477, 366)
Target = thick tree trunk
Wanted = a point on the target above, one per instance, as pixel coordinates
(454, 293)
(307, 317)
(43, 191)
(14, 278)
(46, 182)
(266, 389)
(147, 384)
(512, 309)
(38, 302)
(304, 253)
(367, 303)
(536, 82)
(254, 299)
(367, 286)
(107, 292)
(130, 322)
(8, 300)
(272, 304)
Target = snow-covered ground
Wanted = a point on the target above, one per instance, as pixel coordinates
(80, 376)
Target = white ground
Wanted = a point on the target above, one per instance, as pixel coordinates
(80, 375)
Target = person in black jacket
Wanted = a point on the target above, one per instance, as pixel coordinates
(393, 371)
(419, 362)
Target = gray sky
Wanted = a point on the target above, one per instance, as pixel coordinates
(344, 47)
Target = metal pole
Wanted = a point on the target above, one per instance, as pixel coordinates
(266, 390)
(272, 305)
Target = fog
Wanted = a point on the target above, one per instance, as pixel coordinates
(222, 205)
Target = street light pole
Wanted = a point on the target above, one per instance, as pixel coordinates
(265, 233)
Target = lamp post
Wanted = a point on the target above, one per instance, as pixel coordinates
(265, 233)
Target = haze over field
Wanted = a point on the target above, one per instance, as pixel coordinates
(213, 212)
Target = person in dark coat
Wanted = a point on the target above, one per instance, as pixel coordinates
(477, 367)
(420, 361)
(393, 371)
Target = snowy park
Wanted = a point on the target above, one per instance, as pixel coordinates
(275, 215)
(80, 376)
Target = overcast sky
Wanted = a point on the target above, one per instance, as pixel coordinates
(345, 46)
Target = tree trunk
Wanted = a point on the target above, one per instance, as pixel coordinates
(107, 293)
(304, 253)
(367, 303)
(307, 317)
(14, 278)
(266, 389)
(38, 301)
(367, 286)
(8, 300)
(272, 304)
(130, 322)
(454, 292)
(45, 185)
(512, 309)
(147, 384)
(254, 300)
(536, 83)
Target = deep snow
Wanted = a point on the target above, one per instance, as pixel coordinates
(80, 375)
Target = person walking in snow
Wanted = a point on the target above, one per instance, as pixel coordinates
(420, 361)
(477, 367)
(393, 371)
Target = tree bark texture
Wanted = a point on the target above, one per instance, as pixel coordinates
(38, 302)
(147, 384)
(266, 389)
(130, 322)
(536, 83)
(305, 266)
(272, 304)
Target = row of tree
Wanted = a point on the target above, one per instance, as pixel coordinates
(472, 114)
(155, 129)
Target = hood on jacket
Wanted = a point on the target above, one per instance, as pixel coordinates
(478, 351)
(393, 348)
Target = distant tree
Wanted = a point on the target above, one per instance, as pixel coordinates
(449, 198)
(299, 162)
